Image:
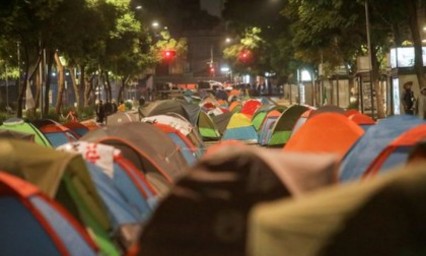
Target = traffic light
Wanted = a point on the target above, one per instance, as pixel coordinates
(168, 55)
(245, 56)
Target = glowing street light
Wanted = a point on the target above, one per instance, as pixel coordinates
(138, 7)
(155, 24)
(228, 40)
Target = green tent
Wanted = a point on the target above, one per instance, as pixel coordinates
(262, 112)
(19, 125)
(384, 216)
(207, 128)
(282, 128)
(65, 178)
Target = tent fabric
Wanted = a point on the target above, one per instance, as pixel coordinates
(302, 120)
(33, 224)
(396, 153)
(261, 113)
(327, 109)
(181, 125)
(283, 127)
(56, 133)
(121, 118)
(375, 139)
(149, 149)
(63, 176)
(222, 121)
(77, 128)
(19, 125)
(233, 106)
(265, 131)
(240, 128)
(207, 128)
(325, 133)
(380, 217)
(189, 111)
(361, 119)
(10, 134)
(210, 205)
(250, 106)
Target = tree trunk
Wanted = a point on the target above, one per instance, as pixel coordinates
(49, 60)
(61, 83)
(121, 89)
(88, 87)
(412, 6)
(25, 83)
(108, 88)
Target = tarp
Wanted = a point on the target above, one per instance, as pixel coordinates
(211, 204)
(34, 224)
(382, 217)
(372, 143)
(325, 133)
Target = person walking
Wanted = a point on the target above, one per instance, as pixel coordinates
(408, 98)
(121, 107)
(421, 104)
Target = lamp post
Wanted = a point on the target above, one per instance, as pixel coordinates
(370, 56)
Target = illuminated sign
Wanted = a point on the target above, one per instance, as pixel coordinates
(403, 57)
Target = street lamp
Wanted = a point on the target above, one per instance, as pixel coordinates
(139, 7)
(155, 24)
(228, 40)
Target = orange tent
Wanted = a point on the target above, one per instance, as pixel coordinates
(350, 112)
(91, 124)
(233, 105)
(361, 119)
(325, 133)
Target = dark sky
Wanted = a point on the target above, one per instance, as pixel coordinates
(214, 7)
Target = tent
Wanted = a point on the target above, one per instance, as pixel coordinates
(56, 133)
(325, 133)
(260, 115)
(181, 124)
(33, 224)
(19, 125)
(189, 111)
(10, 134)
(235, 106)
(302, 120)
(250, 106)
(385, 216)
(91, 124)
(375, 139)
(149, 149)
(265, 131)
(205, 214)
(77, 128)
(121, 118)
(327, 109)
(189, 151)
(222, 120)
(396, 152)
(64, 177)
(362, 120)
(240, 128)
(207, 127)
(283, 127)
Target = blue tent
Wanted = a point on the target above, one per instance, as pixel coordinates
(376, 138)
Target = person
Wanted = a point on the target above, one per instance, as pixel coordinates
(122, 107)
(408, 98)
(421, 104)
(100, 112)
(141, 104)
(114, 106)
(108, 108)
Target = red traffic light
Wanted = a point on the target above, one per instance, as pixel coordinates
(168, 54)
(245, 56)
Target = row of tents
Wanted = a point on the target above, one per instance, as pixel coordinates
(147, 184)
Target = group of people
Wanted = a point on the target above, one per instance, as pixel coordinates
(103, 110)
(411, 104)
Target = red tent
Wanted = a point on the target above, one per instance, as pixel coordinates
(250, 107)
